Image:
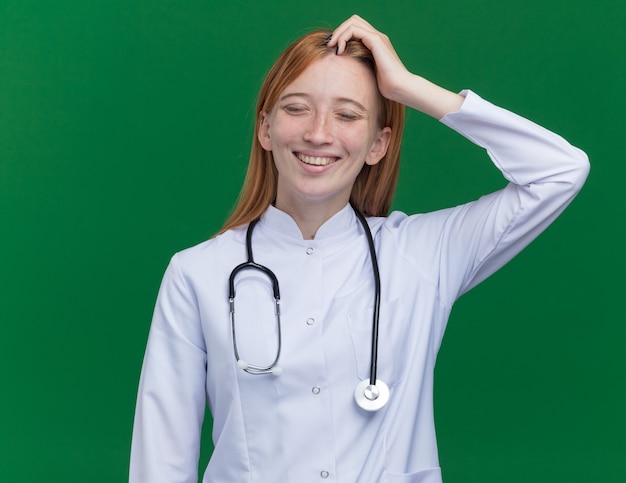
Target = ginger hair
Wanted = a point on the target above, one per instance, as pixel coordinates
(374, 187)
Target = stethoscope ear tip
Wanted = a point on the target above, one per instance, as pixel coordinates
(241, 364)
(277, 371)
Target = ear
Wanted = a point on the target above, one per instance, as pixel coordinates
(379, 147)
(263, 133)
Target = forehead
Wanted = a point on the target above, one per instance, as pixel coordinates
(334, 77)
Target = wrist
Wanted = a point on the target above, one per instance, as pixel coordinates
(424, 96)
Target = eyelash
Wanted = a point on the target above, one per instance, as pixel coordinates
(348, 117)
(291, 109)
(296, 109)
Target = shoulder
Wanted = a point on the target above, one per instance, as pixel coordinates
(212, 253)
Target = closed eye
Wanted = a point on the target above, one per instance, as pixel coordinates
(348, 116)
(295, 109)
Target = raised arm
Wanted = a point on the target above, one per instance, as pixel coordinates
(475, 239)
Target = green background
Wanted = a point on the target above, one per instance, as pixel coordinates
(124, 133)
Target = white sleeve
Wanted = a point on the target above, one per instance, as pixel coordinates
(171, 399)
(466, 244)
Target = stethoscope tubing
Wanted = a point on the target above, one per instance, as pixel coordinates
(370, 394)
(250, 264)
(376, 311)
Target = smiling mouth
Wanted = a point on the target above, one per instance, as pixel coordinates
(315, 160)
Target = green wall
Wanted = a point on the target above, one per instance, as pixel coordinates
(124, 132)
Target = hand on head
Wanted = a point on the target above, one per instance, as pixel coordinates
(395, 82)
(391, 72)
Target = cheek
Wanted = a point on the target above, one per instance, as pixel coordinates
(358, 142)
(283, 131)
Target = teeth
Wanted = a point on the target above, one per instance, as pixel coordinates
(316, 160)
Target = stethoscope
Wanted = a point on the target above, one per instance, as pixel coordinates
(370, 394)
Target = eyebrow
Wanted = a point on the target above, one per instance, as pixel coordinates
(347, 100)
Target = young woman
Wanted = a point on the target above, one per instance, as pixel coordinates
(317, 357)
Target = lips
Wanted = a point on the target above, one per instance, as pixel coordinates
(316, 160)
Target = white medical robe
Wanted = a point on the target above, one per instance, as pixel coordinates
(304, 425)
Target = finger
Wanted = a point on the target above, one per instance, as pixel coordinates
(350, 30)
(353, 20)
(369, 36)
(344, 32)
(353, 32)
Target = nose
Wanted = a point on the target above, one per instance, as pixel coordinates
(318, 130)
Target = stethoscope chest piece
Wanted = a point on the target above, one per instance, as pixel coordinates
(371, 397)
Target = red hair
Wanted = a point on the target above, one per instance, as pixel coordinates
(375, 185)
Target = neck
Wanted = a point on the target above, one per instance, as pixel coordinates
(309, 216)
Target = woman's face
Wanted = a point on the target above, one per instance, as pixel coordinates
(321, 132)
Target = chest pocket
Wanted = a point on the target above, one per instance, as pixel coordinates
(392, 341)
